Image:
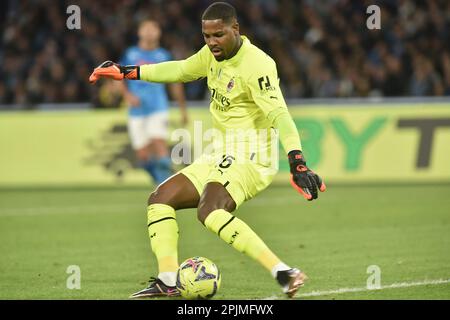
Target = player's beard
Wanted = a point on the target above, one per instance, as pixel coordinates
(232, 52)
(219, 57)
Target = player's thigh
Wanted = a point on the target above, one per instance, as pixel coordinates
(177, 191)
(198, 172)
(242, 181)
(137, 133)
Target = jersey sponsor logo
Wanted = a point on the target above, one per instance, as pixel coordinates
(222, 100)
(264, 84)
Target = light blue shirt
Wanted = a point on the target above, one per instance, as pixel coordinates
(153, 96)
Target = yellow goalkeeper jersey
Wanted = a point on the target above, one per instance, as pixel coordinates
(245, 91)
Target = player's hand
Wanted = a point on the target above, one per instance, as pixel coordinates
(132, 100)
(303, 179)
(111, 70)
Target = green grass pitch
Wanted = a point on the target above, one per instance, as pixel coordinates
(405, 230)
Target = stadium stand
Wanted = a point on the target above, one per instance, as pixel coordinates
(323, 48)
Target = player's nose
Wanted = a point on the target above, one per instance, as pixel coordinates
(211, 42)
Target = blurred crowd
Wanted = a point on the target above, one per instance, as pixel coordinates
(322, 47)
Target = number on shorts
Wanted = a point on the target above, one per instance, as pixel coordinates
(227, 161)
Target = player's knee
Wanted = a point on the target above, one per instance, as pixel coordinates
(153, 198)
(160, 195)
(203, 211)
(206, 205)
(205, 208)
(142, 155)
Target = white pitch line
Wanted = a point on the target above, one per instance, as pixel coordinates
(362, 289)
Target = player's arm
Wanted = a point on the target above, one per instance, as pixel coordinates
(187, 70)
(131, 99)
(177, 92)
(266, 92)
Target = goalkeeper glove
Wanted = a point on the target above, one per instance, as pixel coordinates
(109, 69)
(303, 179)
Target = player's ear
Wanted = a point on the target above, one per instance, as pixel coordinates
(235, 27)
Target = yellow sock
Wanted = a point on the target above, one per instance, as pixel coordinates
(237, 233)
(163, 233)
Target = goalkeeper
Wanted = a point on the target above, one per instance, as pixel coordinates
(245, 94)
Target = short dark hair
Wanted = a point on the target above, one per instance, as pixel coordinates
(220, 10)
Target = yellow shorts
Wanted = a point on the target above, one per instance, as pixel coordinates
(242, 179)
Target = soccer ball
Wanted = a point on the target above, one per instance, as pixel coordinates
(198, 278)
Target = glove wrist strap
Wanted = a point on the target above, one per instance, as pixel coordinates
(297, 162)
(131, 72)
(296, 156)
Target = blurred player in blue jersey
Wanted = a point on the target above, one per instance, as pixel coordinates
(148, 104)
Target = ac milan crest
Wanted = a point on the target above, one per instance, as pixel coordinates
(230, 85)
